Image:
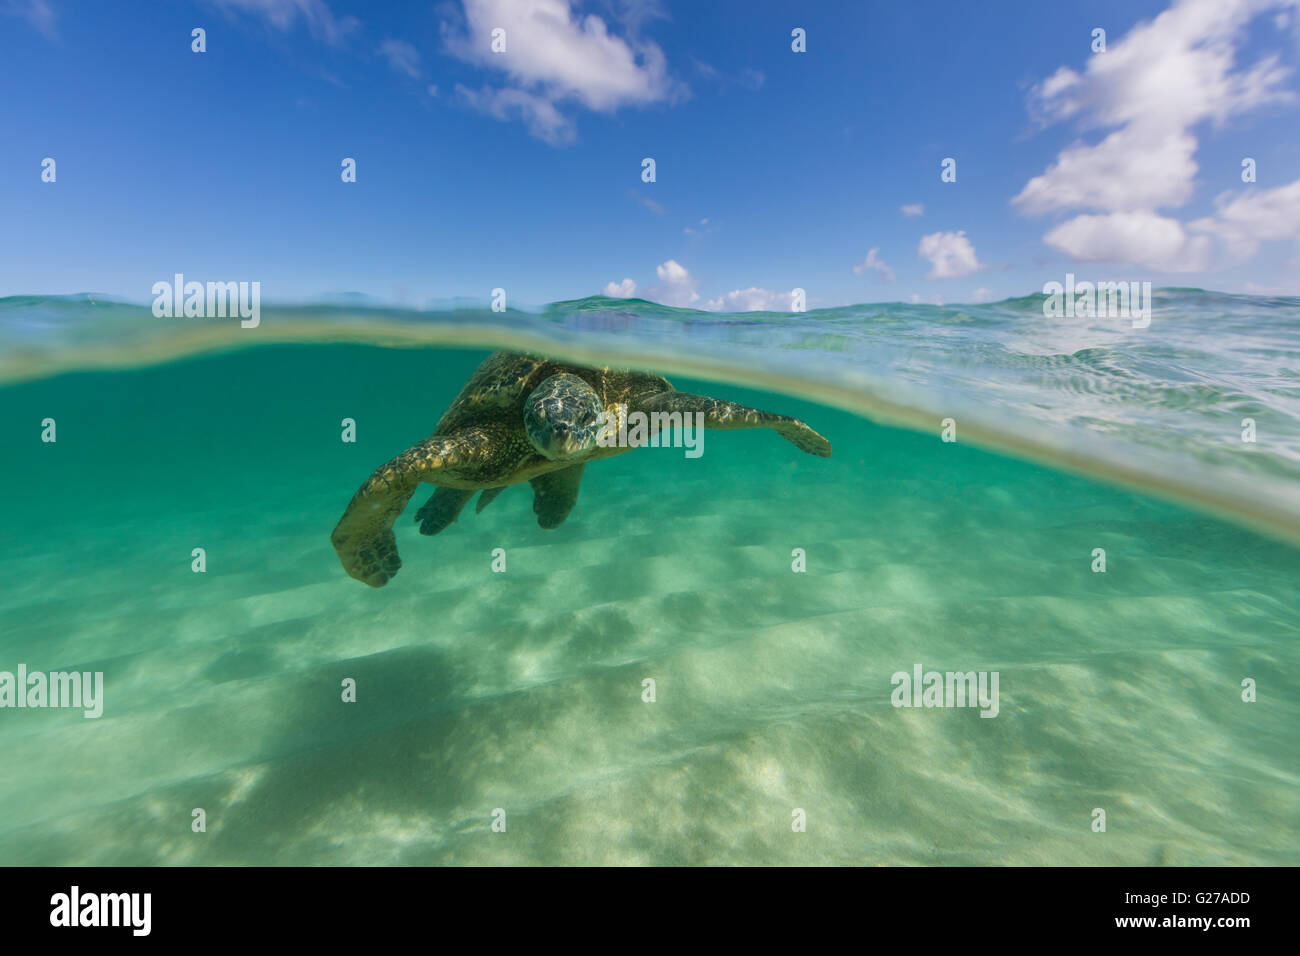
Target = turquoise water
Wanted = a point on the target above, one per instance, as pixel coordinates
(522, 691)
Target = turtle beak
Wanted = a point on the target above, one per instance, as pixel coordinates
(564, 442)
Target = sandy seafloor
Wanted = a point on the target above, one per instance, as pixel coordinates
(523, 690)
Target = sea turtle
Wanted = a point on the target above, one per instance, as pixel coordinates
(522, 418)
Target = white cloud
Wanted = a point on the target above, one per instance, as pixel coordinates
(678, 287)
(635, 13)
(284, 15)
(538, 113)
(38, 14)
(747, 78)
(649, 203)
(1138, 238)
(704, 69)
(620, 290)
(982, 295)
(873, 261)
(1129, 169)
(402, 57)
(1150, 90)
(1049, 102)
(1246, 219)
(1169, 72)
(1242, 221)
(951, 255)
(912, 210)
(553, 55)
(752, 299)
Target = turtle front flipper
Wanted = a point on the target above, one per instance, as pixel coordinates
(554, 495)
(364, 536)
(723, 415)
(442, 508)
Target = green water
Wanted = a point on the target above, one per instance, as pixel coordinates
(522, 691)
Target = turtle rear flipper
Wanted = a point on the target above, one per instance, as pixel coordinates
(554, 495)
(441, 509)
(445, 504)
(364, 536)
(486, 497)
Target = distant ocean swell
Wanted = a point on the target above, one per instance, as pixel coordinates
(1201, 404)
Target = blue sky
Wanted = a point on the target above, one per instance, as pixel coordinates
(774, 169)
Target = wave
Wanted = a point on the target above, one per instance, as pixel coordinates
(1168, 409)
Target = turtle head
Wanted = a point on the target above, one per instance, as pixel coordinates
(562, 418)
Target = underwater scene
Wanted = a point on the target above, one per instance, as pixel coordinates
(730, 651)
(646, 433)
